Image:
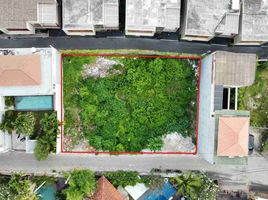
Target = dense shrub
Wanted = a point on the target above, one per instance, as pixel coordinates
(46, 141)
(125, 112)
(9, 101)
(82, 184)
(8, 122)
(123, 178)
(24, 123)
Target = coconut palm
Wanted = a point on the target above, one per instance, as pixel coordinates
(188, 185)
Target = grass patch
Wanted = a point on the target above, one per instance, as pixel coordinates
(255, 99)
(125, 111)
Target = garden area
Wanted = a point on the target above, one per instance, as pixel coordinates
(85, 184)
(122, 104)
(255, 99)
(39, 126)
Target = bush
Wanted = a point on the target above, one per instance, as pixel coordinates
(8, 122)
(41, 150)
(46, 142)
(9, 101)
(24, 123)
(123, 178)
(155, 144)
(21, 188)
(82, 184)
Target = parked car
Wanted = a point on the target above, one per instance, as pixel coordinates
(251, 143)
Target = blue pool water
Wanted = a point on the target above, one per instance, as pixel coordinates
(163, 193)
(31, 103)
(47, 193)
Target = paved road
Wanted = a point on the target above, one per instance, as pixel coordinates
(129, 43)
(255, 172)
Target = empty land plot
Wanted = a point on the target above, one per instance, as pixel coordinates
(129, 104)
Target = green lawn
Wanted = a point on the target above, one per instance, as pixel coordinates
(133, 109)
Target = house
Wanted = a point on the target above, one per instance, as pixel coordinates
(147, 17)
(32, 77)
(86, 17)
(223, 129)
(253, 25)
(206, 19)
(106, 191)
(24, 17)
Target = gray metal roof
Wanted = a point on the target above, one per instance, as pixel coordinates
(149, 14)
(15, 13)
(207, 17)
(234, 69)
(254, 20)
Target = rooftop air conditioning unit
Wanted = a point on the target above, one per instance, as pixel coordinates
(235, 5)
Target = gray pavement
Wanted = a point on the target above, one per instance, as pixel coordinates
(130, 43)
(255, 172)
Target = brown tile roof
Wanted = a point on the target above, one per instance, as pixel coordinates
(233, 136)
(106, 191)
(20, 70)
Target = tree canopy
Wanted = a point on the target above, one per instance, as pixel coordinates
(82, 183)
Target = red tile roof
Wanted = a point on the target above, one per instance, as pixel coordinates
(233, 136)
(20, 70)
(106, 191)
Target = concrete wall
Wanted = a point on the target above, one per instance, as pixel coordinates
(56, 67)
(5, 138)
(206, 121)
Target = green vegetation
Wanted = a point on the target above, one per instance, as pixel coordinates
(24, 123)
(8, 121)
(255, 99)
(153, 181)
(46, 141)
(195, 186)
(82, 184)
(123, 178)
(9, 101)
(42, 126)
(17, 187)
(127, 111)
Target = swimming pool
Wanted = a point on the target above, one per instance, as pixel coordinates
(163, 193)
(34, 103)
(47, 193)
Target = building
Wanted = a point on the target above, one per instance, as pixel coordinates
(85, 17)
(32, 77)
(24, 17)
(223, 130)
(146, 17)
(203, 20)
(106, 191)
(253, 25)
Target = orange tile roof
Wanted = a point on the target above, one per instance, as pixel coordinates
(106, 191)
(20, 70)
(233, 134)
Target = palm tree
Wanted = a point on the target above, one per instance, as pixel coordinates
(188, 185)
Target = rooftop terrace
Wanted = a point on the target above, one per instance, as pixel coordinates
(85, 14)
(148, 15)
(208, 18)
(254, 23)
